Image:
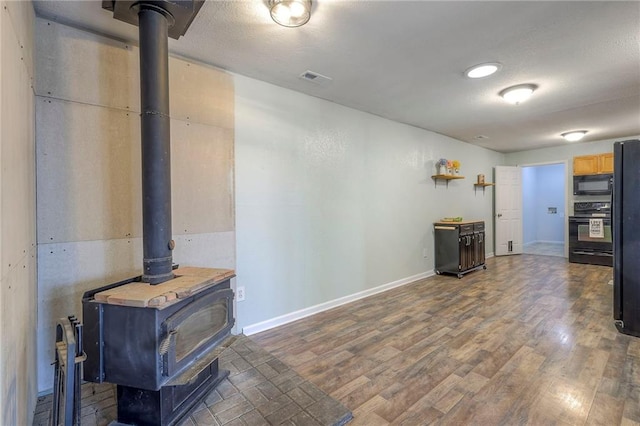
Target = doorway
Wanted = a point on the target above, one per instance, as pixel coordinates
(544, 216)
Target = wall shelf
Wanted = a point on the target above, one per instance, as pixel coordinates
(481, 185)
(445, 178)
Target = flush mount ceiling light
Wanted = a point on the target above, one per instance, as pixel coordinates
(290, 13)
(483, 70)
(518, 94)
(574, 136)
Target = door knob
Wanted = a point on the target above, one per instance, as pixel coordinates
(499, 214)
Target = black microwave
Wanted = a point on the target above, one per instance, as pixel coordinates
(593, 184)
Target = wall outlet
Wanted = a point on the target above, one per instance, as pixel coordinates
(240, 294)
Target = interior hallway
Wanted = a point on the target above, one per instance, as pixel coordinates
(544, 249)
(529, 341)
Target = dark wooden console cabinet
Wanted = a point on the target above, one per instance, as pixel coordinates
(459, 247)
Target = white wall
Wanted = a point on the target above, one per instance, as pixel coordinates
(529, 218)
(331, 201)
(17, 216)
(543, 187)
(89, 186)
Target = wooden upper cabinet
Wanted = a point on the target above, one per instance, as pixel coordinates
(606, 163)
(585, 165)
(593, 164)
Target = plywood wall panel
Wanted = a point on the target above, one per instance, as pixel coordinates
(201, 94)
(17, 216)
(18, 342)
(22, 18)
(98, 167)
(212, 250)
(10, 392)
(84, 67)
(202, 178)
(18, 170)
(66, 271)
(88, 172)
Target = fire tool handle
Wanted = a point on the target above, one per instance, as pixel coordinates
(166, 342)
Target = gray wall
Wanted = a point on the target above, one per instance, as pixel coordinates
(89, 199)
(333, 202)
(18, 291)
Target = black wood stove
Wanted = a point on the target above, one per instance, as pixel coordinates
(163, 358)
(158, 336)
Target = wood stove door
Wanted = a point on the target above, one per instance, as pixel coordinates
(195, 329)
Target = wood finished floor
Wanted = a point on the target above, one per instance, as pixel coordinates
(529, 341)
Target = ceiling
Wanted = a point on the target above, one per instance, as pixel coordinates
(405, 60)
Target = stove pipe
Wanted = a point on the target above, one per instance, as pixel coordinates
(157, 21)
(156, 148)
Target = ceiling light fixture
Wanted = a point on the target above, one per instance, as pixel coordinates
(574, 136)
(290, 13)
(483, 70)
(518, 94)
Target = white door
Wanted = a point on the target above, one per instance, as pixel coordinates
(508, 210)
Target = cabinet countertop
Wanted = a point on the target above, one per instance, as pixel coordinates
(464, 222)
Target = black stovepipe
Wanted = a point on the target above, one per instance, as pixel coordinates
(156, 147)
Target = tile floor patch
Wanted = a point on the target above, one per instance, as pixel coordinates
(260, 390)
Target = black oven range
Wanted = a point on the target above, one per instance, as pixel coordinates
(590, 239)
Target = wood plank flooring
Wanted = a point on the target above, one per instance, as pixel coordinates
(531, 340)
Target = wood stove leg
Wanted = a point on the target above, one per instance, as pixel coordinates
(169, 405)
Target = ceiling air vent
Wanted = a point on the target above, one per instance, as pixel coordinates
(316, 78)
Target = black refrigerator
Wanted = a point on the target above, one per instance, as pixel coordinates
(626, 236)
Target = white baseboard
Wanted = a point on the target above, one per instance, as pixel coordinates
(303, 313)
(488, 255)
(543, 241)
(45, 392)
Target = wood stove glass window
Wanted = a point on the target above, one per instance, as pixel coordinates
(198, 328)
(199, 323)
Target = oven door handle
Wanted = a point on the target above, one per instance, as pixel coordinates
(588, 253)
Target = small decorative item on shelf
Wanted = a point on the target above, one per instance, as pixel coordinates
(442, 166)
(456, 167)
(452, 219)
(480, 178)
(449, 167)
